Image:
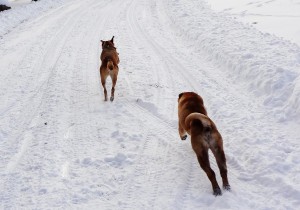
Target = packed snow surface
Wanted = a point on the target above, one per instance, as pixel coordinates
(63, 147)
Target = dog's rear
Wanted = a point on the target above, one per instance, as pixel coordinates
(193, 119)
(110, 65)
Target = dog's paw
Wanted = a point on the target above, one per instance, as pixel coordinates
(227, 187)
(184, 137)
(217, 192)
(112, 98)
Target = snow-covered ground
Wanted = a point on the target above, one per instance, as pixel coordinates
(279, 17)
(63, 147)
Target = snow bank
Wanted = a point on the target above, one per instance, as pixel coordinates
(267, 66)
(12, 18)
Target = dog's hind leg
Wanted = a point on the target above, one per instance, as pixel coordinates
(103, 76)
(219, 154)
(201, 151)
(105, 91)
(182, 132)
(203, 160)
(114, 81)
(221, 161)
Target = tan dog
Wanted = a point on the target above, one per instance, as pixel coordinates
(109, 66)
(193, 119)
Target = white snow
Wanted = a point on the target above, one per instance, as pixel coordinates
(63, 147)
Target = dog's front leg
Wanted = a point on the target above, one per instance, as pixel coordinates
(182, 132)
(114, 81)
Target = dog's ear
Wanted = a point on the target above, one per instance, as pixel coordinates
(102, 42)
(112, 39)
(179, 96)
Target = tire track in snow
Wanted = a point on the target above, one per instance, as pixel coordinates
(29, 110)
(75, 123)
(27, 60)
(61, 38)
(160, 52)
(9, 184)
(151, 161)
(177, 67)
(165, 82)
(145, 166)
(150, 145)
(168, 64)
(87, 100)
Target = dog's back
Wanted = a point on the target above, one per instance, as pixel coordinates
(189, 102)
(108, 62)
(110, 54)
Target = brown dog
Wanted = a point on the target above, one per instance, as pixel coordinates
(193, 119)
(109, 66)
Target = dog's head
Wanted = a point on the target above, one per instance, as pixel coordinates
(108, 44)
(185, 95)
(192, 102)
(179, 96)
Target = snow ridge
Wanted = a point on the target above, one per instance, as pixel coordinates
(267, 66)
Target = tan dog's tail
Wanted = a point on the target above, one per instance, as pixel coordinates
(195, 119)
(110, 65)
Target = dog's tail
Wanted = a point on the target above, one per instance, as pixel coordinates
(198, 121)
(110, 65)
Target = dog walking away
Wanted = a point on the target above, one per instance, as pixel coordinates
(193, 119)
(109, 66)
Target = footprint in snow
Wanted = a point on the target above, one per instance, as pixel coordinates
(118, 160)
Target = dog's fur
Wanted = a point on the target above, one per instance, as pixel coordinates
(193, 119)
(109, 66)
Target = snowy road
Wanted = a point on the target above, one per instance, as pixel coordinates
(63, 147)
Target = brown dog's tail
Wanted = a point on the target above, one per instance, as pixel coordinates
(199, 120)
(110, 65)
